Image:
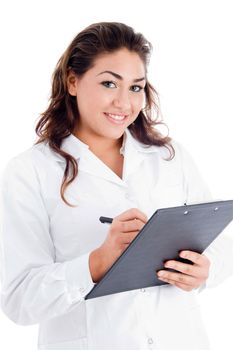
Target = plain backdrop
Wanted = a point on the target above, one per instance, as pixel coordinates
(191, 67)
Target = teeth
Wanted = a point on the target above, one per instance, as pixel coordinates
(117, 117)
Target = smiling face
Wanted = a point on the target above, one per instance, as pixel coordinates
(109, 96)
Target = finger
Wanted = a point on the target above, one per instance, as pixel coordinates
(127, 238)
(195, 257)
(131, 226)
(131, 214)
(182, 286)
(187, 269)
(176, 277)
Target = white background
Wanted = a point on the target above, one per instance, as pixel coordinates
(191, 67)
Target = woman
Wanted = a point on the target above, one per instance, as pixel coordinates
(99, 153)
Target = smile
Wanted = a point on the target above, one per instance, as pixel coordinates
(115, 118)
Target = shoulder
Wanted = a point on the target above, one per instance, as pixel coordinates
(26, 164)
(164, 151)
(35, 153)
(183, 154)
(23, 182)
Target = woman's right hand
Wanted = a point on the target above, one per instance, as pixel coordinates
(124, 228)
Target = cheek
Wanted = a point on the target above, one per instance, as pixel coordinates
(143, 100)
(138, 103)
(87, 101)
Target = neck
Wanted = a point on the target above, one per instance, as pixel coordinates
(99, 145)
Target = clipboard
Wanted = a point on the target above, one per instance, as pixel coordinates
(168, 231)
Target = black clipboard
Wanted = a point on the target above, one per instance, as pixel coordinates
(167, 232)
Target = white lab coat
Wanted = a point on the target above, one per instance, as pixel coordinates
(46, 246)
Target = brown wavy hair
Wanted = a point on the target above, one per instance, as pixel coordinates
(60, 118)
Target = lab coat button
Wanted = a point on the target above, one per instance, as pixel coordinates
(81, 289)
(143, 290)
(150, 341)
(129, 196)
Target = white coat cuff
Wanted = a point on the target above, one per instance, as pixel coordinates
(78, 278)
(214, 270)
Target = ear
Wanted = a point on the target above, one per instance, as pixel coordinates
(72, 83)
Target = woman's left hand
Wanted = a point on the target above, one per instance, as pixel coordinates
(191, 276)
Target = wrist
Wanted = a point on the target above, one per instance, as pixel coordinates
(96, 264)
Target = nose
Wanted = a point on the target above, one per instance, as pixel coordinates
(122, 101)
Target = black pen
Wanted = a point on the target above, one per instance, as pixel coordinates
(107, 220)
(104, 220)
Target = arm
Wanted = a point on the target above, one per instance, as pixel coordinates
(34, 286)
(220, 252)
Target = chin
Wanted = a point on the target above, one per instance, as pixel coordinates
(114, 134)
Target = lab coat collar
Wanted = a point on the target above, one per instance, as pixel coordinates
(74, 146)
(133, 151)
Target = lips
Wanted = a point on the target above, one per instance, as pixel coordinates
(116, 118)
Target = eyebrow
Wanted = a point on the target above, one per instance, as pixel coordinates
(120, 77)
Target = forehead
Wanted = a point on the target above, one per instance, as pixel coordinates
(121, 61)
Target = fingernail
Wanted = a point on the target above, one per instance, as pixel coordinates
(161, 274)
(183, 254)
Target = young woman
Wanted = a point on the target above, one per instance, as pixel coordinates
(99, 152)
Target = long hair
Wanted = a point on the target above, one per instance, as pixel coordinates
(60, 118)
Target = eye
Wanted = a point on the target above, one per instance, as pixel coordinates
(107, 83)
(138, 88)
(111, 84)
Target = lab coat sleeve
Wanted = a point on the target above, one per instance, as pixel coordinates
(220, 251)
(34, 286)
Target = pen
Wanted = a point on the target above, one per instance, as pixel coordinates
(104, 220)
(107, 220)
